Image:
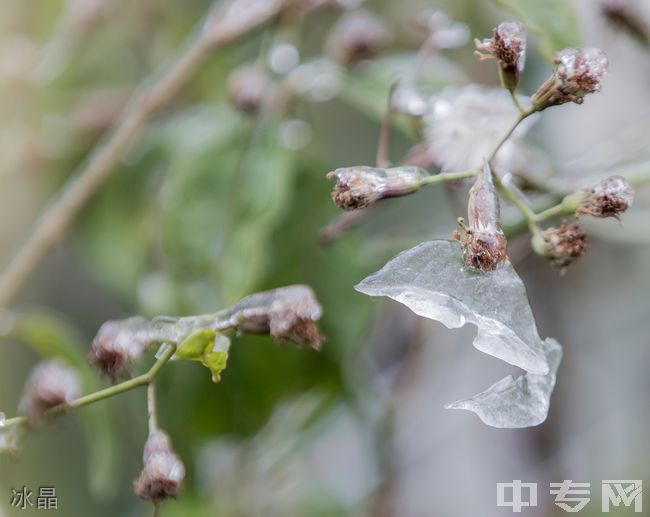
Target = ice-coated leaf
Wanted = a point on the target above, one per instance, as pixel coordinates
(215, 357)
(434, 282)
(520, 402)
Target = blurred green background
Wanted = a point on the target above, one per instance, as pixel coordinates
(212, 204)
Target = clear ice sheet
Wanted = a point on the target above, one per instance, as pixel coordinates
(434, 282)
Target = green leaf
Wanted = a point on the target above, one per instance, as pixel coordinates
(555, 22)
(194, 346)
(216, 357)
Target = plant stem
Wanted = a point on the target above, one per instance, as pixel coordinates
(136, 382)
(57, 216)
(515, 101)
(448, 176)
(152, 414)
(558, 209)
(522, 116)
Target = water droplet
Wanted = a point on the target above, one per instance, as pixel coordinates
(283, 58)
(295, 134)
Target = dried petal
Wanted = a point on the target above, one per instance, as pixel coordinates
(563, 245)
(508, 46)
(118, 344)
(288, 314)
(361, 186)
(578, 71)
(163, 470)
(52, 383)
(608, 198)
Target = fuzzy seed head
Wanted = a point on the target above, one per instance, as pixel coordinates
(51, 383)
(608, 198)
(163, 471)
(361, 186)
(564, 245)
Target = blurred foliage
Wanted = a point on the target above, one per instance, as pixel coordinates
(210, 206)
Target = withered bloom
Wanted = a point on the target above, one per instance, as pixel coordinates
(361, 186)
(163, 470)
(608, 198)
(117, 345)
(247, 87)
(483, 241)
(51, 383)
(620, 15)
(288, 314)
(357, 36)
(508, 46)
(578, 71)
(563, 245)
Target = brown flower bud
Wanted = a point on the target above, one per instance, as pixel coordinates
(608, 198)
(508, 47)
(288, 314)
(117, 345)
(361, 186)
(578, 71)
(247, 87)
(163, 470)
(563, 245)
(51, 383)
(357, 36)
(483, 241)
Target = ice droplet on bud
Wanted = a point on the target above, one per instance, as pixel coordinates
(2, 419)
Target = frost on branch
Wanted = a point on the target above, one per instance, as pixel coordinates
(434, 282)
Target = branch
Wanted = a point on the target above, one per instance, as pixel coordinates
(223, 24)
(136, 382)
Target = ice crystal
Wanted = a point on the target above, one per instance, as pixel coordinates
(434, 282)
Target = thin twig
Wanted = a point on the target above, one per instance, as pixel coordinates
(136, 382)
(222, 26)
(152, 415)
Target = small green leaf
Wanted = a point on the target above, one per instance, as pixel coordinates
(554, 20)
(216, 357)
(194, 346)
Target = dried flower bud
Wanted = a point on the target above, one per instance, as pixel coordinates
(483, 241)
(508, 46)
(357, 36)
(288, 314)
(578, 71)
(51, 383)
(563, 245)
(117, 345)
(608, 198)
(620, 15)
(247, 87)
(361, 186)
(163, 470)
